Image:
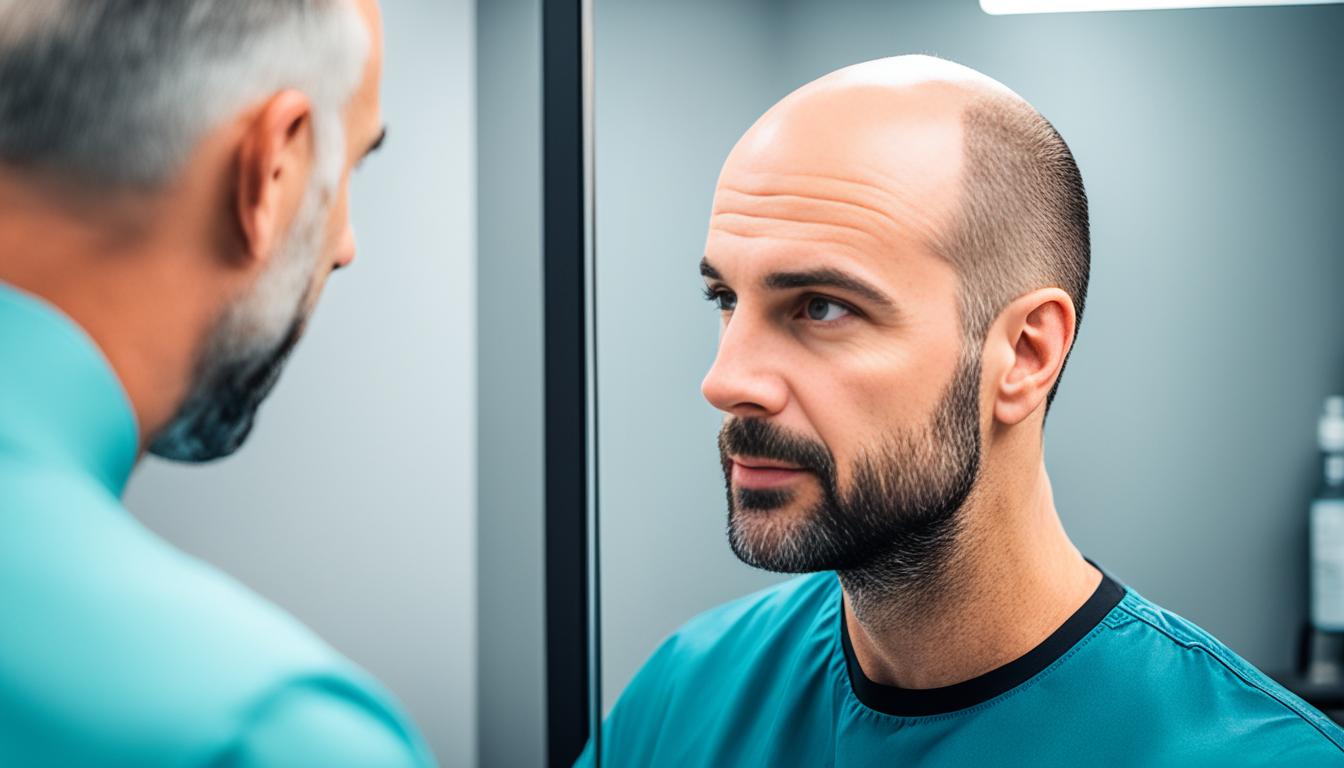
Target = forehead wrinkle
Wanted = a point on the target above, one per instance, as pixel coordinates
(806, 208)
(871, 184)
(799, 196)
(761, 182)
(768, 227)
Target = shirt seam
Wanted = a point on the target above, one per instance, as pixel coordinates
(1195, 645)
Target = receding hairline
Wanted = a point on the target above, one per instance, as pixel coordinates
(1022, 223)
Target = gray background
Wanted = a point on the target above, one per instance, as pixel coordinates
(1182, 443)
(353, 505)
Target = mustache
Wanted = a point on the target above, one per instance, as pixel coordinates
(761, 439)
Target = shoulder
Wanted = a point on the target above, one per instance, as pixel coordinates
(1219, 699)
(701, 672)
(118, 644)
(324, 722)
(783, 612)
(721, 644)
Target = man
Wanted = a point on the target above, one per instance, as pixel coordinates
(173, 185)
(900, 254)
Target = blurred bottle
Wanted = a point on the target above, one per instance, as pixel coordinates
(1327, 524)
(1322, 651)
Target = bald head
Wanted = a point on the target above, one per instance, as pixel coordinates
(915, 153)
(882, 117)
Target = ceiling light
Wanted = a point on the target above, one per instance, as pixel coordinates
(1001, 7)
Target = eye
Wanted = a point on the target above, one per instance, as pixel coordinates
(725, 301)
(824, 310)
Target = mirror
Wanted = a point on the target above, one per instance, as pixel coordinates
(1181, 446)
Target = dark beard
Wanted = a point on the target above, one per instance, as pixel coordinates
(218, 415)
(891, 533)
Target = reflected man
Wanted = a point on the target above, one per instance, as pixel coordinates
(900, 254)
(173, 197)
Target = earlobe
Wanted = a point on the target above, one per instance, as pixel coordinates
(1039, 330)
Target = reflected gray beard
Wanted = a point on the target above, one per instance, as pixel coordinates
(242, 359)
(892, 534)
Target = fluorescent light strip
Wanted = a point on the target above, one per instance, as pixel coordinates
(1004, 7)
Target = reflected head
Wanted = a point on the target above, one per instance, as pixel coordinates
(899, 252)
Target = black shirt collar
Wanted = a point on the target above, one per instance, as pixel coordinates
(909, 702)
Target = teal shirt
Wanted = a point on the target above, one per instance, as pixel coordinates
(770, 680)
(115, 648)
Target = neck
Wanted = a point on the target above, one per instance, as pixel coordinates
(129, 291)
(1009, 578)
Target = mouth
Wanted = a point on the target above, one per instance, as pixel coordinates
(761, 474)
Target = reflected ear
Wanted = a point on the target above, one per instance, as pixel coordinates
(275, 157)
(1036, 331)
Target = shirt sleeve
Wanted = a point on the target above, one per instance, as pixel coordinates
(307, 725)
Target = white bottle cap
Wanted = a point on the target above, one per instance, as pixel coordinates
(1330, 429)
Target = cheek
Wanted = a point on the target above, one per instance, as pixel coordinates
(867, 390)
(905, 383)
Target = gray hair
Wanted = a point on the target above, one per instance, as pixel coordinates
(118, 93)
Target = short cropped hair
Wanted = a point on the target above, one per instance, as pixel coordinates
(118, 93)
(1023, 222)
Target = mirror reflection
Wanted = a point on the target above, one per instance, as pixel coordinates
(907, 218)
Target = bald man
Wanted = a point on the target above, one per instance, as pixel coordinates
(899, 252)
(173, 197)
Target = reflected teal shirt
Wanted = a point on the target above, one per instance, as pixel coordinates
(115, 648)
(771, 680)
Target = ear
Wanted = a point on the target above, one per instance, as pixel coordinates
(275, 157)
(1036, 331)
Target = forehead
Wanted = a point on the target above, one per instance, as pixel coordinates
(863, 178)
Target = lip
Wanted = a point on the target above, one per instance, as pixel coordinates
(762, 474)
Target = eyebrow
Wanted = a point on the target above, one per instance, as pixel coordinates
(825, 277)
(378, 142)
(828, 278)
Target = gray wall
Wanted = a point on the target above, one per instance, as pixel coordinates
(511, 682)
(1182, 444)
(353, 503)
(677, 82)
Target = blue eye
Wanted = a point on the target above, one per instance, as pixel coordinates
(824, 310)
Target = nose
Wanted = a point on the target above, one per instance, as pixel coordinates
(744, 381)
(345, 248)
